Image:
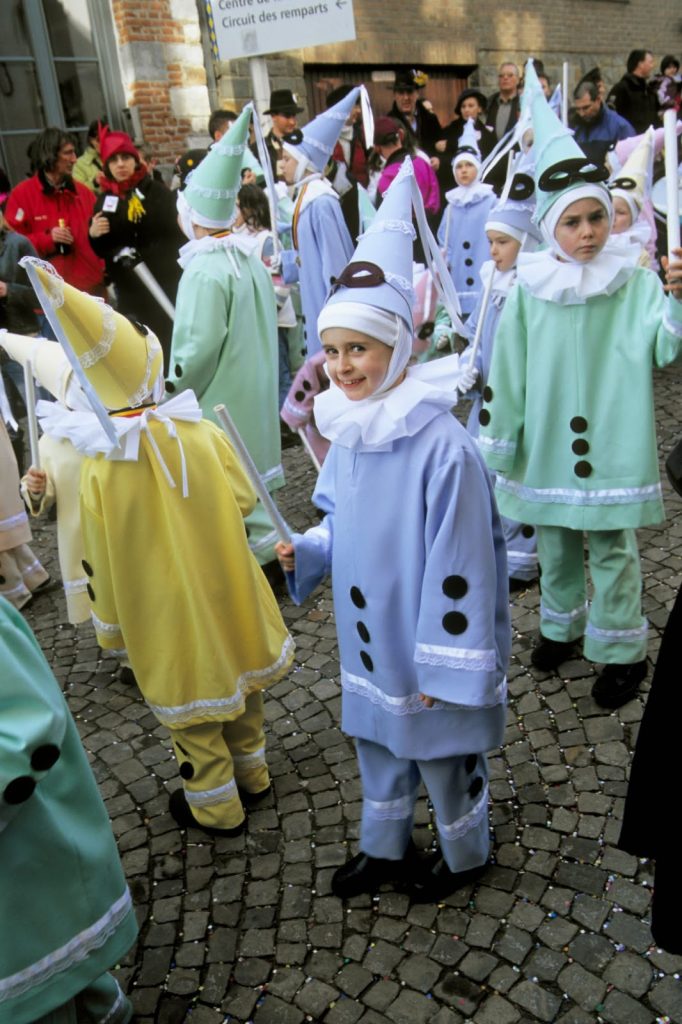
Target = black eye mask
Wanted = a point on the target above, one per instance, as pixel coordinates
(573, 171)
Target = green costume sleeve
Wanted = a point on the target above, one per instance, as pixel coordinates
(32, 721)
(199, 332)
(504, 399)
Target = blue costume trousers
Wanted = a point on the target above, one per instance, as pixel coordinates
(457, 788)
(612, 623)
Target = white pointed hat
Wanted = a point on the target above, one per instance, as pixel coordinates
(51, 367)
(467, 145)
(635, 178)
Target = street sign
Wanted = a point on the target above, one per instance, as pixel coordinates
(248, 28)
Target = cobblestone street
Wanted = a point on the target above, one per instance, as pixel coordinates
(246, 929)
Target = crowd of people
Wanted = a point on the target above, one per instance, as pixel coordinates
(355, 288)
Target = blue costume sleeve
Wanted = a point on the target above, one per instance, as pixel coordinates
(500, 434)
(32, 715)
(463, 636)
(289, 266)
(313, 549)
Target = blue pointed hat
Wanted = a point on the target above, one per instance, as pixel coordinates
(314, 144)
(380, 272)
(514, 212)
(560, 164)
(467, 145)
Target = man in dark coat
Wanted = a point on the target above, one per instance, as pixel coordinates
(597, 127)
(632, 97)
(504, 106)
(422, 124)
(283, 111)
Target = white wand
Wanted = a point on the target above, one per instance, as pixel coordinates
(31, 413)
(228, 425)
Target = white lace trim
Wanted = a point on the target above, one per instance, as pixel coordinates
(468, 822)
(29, 569)
(308, 140)
(53, 284)
(12, 521)
(617, 634)
(563, 618)
(211, 797)
(108, 628)
(400, 282)
(10, 592)
(103, 346)
(212, 193)
(570, 496)
(73, 952)
(138, 397)
(483, 660)
(244, 760)
(412, 704)
(272, 474)
(405, 227)
(335, 115)
(118, 1005)
(235, 150)
(496, 445)
(220, 706)
(76, 586)
(391, 810)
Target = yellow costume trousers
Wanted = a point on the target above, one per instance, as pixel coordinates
(217, 757)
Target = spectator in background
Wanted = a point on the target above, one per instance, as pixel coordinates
(137, 213)
(471, 103)
(393, 143)
(597, 127)
(219, 122)
(88, 166)
(594, 75)
(53, 211)
(283, 111)
(17, 299)
(421, 124)
(504, 106)
(668, 84)
(350, 149)
(632, 97)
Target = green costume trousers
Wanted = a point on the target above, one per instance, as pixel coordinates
(612, 623)
(102, 1000)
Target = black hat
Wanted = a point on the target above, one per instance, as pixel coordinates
(467, 94)
(185, 164)
(336, 95)
(412, 80)
(283, 101)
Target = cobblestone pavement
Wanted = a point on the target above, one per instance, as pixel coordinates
(246, 929)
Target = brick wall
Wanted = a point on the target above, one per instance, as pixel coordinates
(163, 72)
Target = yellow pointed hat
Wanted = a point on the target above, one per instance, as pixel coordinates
(51, 367)
(121, 361)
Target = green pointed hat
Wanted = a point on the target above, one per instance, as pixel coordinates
(560, 164)
(212, 187)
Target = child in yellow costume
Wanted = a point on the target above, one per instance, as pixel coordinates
(170, 576)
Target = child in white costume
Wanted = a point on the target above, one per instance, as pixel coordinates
(424, 638)
(568, 421)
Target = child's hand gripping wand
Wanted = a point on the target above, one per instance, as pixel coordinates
(228, 425)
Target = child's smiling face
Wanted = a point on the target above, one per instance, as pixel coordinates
(582, 230)
(503, 250)
(357, 363)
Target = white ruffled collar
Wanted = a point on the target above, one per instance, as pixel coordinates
(502, 283)
(86, 434)
(372, 425)
(638, 233)
(242, 242)
(467, 195)
(572, 284)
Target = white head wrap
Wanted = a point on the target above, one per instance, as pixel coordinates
(549, 222)
(386, 327)
(189, 217)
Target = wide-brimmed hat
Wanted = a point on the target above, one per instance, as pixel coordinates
(470, 94)
(283, 101)
(412, 80)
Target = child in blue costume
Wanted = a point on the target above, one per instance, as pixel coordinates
(424, 638)
(568, 417)
(509, 229)
(462, 229)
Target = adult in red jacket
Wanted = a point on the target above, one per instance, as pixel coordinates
(53, 211)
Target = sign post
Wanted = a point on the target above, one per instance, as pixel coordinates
(252, 28)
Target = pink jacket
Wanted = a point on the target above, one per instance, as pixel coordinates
(426, 179)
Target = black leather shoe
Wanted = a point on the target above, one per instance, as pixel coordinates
(127, 676)
(181, 812)
(436, 880)
(363, 873)
(549, 654)
(617, 684)
(253, 799)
